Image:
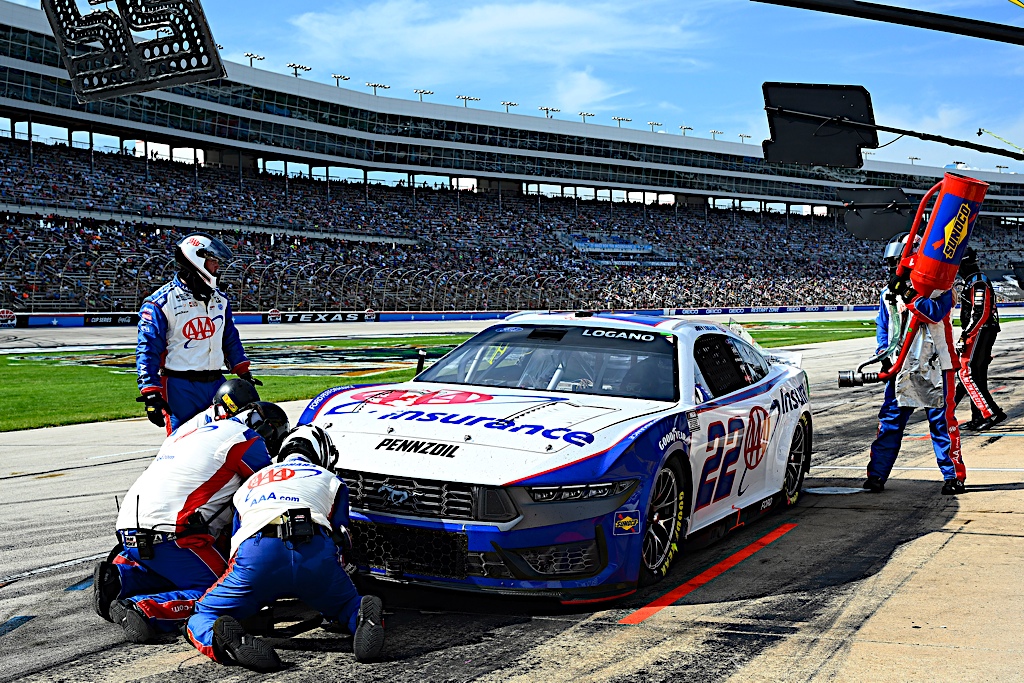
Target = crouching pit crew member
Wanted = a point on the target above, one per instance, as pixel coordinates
(171, 517)
(290, 520)
(979, 319)
(186, 335)
(927, 380)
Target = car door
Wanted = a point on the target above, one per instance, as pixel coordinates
(725, 464)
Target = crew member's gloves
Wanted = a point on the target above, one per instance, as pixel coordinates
(342, 538)
(960, 346)
(155, 407)
(247, 376)
(886, 365)
(899, 287)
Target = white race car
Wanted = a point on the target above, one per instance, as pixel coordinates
(567, 454)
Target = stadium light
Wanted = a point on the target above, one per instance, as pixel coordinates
(421, 92)
(296, 68)
(547, 111)
(620, 119)
(743, 137)
(509, 104)
(684, 129)
(653, 125)
(466, 99)
(913, 159)
(254, 57)
(377, 85)
(584, 115)
(338, 78)
(1001, 168)
(715, 133)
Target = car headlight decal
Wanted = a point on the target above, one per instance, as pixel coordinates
(548, 494)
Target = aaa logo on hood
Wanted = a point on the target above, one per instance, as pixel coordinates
(402, 398)
(199, 328)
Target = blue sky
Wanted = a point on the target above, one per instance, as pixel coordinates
(697, 62)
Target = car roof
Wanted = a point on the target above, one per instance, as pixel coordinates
(674, 324)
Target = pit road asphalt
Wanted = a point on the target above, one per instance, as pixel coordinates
(904, 586)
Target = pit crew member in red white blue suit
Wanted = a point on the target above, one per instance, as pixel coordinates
(186, 335)
(937, 332)
(290, 520)
(172, 515)
(979, 319)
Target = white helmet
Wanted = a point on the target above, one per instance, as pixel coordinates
(191, 254)
(312, 443)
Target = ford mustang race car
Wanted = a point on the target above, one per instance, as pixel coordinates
(566, 454)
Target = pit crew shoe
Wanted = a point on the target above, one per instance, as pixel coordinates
(992, 421)
(874, 485)
(952, 487)
(974, 425)
(128, 617)
(252, 652)
(106, 586)
(368, 640)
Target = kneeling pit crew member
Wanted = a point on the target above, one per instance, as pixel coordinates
(186, 335)
(290, 520)
(234, 396)
(979, 319)
(172, 515)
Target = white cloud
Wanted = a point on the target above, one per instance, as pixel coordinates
(576, 91)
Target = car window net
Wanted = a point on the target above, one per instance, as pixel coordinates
(597, 361)
(719, 364)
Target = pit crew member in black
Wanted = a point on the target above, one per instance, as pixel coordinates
(979, 319)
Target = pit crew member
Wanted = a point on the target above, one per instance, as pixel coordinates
(290, 520)
(171, 516)
(186, 334)
(937, 334)
(979, 319)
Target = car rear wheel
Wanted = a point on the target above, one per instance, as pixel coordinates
(664, 528)
(796, 463)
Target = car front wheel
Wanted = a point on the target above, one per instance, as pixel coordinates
(664, 528)
(796, 463)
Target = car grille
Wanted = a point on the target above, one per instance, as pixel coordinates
(569, 558)
(400, 549)
(405, 495)
(487, 565)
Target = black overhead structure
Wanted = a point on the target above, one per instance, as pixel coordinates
(828, 125)
(105, 59)
(973, 28)
(877, 213)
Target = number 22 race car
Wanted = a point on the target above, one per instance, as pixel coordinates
(566, 455)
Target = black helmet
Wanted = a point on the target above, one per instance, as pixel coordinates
(232, 398)
(312, 443)
(969, 263)
(191, 254)
(270, 422)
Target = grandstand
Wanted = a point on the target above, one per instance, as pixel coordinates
(85, 229)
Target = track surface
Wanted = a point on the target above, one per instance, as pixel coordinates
(907, 585)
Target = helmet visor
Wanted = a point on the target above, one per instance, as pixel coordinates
(216, 250)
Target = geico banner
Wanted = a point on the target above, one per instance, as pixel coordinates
(276, 317)
(118, 319)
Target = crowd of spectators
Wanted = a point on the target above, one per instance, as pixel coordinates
(393, 247)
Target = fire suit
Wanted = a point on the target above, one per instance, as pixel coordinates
(892, 418)
(979, 319)
(265, 567)
(183, 346)
(180, 502)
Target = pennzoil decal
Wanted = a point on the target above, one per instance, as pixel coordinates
(422, 447)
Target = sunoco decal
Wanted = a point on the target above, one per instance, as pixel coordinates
(422, 447)
(626, 523)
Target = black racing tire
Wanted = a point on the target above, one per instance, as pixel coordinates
(665, 523)
(797, 461)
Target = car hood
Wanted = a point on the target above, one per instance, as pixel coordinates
(469, 434)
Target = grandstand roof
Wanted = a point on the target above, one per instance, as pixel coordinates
(279, 117)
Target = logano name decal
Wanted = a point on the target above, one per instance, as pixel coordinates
(620, 334)
(422, 447)
(555, 433)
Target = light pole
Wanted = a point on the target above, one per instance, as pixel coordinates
(1001, 168)
(548, 110)
(466, 99)
(509, 104)
(715, 133)
(684, 129)
(584, 115)
(377, 85)
(253, 57)
(338, 78)
(913, 159)
(296, 68)
(653, 125)
(421, 92)
(743, 137)
(620, 119)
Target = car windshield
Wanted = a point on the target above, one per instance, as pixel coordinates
(582, 360)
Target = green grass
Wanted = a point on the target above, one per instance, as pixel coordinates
(771, 335)
(376, 342)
